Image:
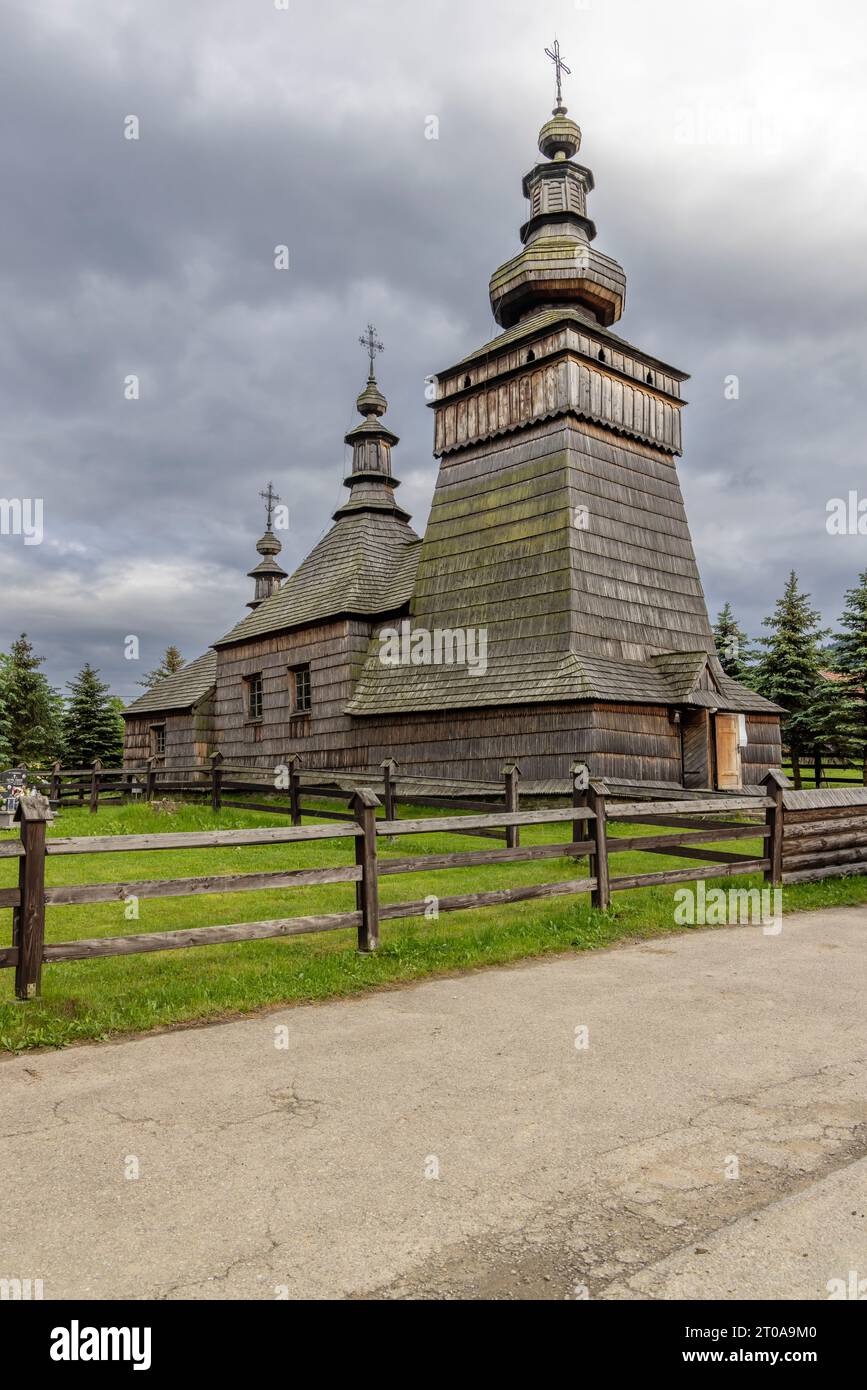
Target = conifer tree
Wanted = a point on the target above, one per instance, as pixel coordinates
(5, 733)
(830, 718)
(32, 706)
(732, 646)
(850, 653)
(171, 662)
(788, 671)
(92, 725)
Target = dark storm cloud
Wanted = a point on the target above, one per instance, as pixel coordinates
(736, 216)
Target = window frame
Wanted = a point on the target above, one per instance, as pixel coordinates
(297, 710)
(254, 683)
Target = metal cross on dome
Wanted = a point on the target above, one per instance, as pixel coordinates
(270, 497)
(370, 341)
(559, 67)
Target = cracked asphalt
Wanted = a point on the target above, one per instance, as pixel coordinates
(450, 1140)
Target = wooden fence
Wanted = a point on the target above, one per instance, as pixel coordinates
(586, 821)
(825, 833)
(290, 789)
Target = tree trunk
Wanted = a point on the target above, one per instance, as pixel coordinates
(796, 771)
(817, 768)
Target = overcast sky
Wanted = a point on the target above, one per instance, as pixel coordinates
(727, 143)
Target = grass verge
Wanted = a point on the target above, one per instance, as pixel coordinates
(104, 998)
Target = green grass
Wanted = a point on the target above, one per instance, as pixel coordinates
(842, 776)
(102, 998)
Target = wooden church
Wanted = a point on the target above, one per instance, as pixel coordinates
(553, 610)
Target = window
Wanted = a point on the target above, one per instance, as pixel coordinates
(601, 355)
(158, 740)
(467, 382)
(650, 378)
(531, 356)
(254, 697)
(301, 693)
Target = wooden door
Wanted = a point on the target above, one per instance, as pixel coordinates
(695, 748)
(728, 752)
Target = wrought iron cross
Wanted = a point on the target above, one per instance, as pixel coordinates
(370, 341)
(270, 497)
(559, 68)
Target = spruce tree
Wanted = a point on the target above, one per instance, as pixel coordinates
(732, 645)
(92, 726)
(850, 651)
(788, 671)
(32, 706)
(171, 662)
(5, 731)
(830, 717)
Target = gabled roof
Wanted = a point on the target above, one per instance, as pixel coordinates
(180, 691)
(364, 566)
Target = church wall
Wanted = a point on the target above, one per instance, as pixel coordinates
(628, 741)
(189, 736)
(334, 652)
(135, 741)
(763, 749)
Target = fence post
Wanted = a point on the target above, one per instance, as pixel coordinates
(775, 784)
(364, 803)
(294, 787)
(511, 773)
(29, 918)
(94, 786)
(55, 781)
(389, 768)
(150, 778)
(601, 894)
(216, 781)
(580, 773)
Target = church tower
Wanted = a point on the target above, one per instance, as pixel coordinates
(558, 525)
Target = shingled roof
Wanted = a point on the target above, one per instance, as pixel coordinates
(670, 679)
(180, 691)
(365, 565)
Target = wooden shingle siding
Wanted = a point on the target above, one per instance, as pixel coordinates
(334, 653)
(189, 736)
(615, 741)
(763, 749)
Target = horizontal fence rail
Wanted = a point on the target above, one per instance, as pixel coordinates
(803, 835)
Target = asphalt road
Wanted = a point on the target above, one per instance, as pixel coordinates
(450, 1140)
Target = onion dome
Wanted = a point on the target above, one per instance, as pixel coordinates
(558, 265)
(559, 138)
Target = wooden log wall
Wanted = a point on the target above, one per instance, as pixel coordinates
(824, 833)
